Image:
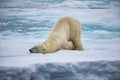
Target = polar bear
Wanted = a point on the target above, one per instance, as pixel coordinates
(65, 34)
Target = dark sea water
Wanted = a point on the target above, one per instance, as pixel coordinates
(24, 23)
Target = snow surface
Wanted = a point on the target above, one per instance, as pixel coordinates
(63, 56)
(62, 65)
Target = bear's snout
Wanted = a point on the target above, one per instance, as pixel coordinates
(33, 50)
(30, 50)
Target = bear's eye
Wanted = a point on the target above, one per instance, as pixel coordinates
(44, 49)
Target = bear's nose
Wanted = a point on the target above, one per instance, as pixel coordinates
(30, 50)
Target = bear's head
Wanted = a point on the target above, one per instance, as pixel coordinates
(40, 48)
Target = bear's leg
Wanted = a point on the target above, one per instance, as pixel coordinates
(77, 42)
(68, 45)
(78, 46)
(75, 34)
